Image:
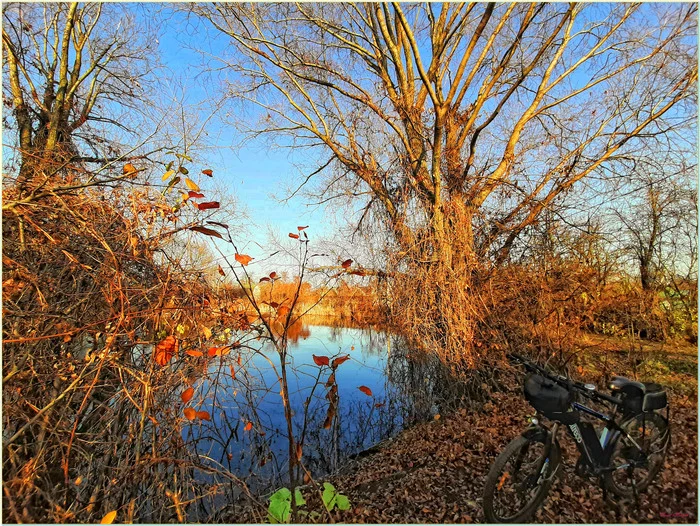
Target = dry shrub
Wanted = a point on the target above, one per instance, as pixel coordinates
(91, 422)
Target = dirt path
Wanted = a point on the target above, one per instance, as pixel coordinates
(435, 473)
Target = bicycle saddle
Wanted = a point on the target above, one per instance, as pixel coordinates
(623, 384)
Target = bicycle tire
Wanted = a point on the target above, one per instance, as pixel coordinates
(496, 478)
(657, 449)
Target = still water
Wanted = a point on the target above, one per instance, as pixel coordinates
(247, 433)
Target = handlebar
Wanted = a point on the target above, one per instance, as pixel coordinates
(564, 381)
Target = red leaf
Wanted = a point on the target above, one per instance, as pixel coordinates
(195, 195)
(213, 351)
(190, 413)
(222, 225)
(320, 360)
(233, 372)
(243, 259)
(339, 360)
(365, 390)
(264, 279)
(207, 231)
(208, 172)
(378, 405)
(187, 394)
(196, 354)
(208, 206)
(248, 426)
(346, 263)
(300, 228)
(273, 275)
(204, 415)
(274, 304)
(221, 271)
(294, 236)
(165, 351)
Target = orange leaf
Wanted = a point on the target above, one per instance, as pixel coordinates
(165, 351)
(300, 228)
(365, 390)
(221, 271)
(320, 360)
(294, 236)
(239, 360)
(243, 259)
(248, 426)
(191, 184)
(187, 394)
(346, 263)
(195, 354)
(299, 452)
(339, 360)
(190, 413)
(207, 231)
(208, 172)
(213, 351)
(283, 310)
(109, 518)
(203, 415)
(208, 206)
(233, 372)
(194, 195)
(129, 169)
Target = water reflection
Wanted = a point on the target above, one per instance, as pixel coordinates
(247, 432)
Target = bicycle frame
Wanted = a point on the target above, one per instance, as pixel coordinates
(597, 452)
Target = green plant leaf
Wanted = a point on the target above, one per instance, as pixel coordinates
(280, 505)
(342, 502)
(299, 497)
(329, 495)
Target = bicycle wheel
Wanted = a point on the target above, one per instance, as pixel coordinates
(519, 480)
(652, 433)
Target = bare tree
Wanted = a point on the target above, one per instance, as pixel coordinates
(459, 124)
(71, 72)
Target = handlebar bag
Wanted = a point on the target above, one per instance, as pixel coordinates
(550, 398)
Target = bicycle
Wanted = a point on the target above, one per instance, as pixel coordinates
(625, 456)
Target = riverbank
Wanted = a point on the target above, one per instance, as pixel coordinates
(435, 472)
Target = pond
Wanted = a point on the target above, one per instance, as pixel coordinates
(247, 433)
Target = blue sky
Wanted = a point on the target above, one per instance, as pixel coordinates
(256, 175)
